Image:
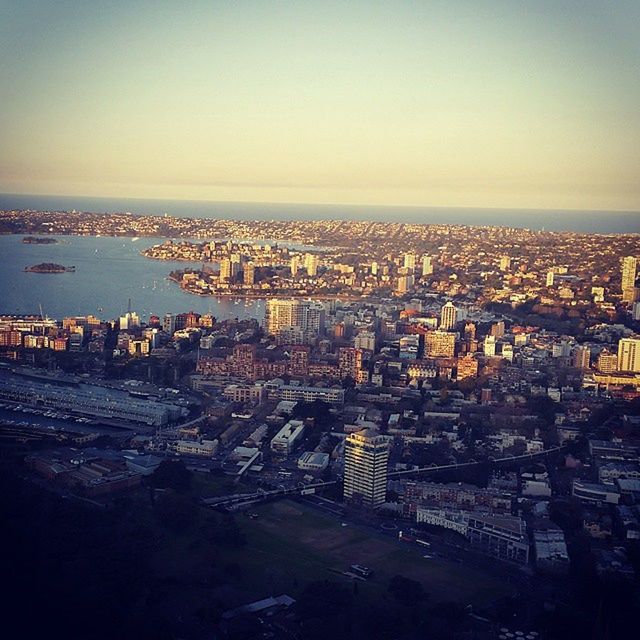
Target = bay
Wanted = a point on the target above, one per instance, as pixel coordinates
(109, 272)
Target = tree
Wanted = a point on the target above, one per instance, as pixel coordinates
(171, 475)
(175, 511)
(406, 591)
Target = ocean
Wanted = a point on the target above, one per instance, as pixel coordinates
(605, 222)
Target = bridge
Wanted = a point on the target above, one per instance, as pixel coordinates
(239, 500)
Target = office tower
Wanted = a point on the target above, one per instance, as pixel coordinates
(410, 261)
(550, 278)
(629, 267)
(448, 316)
(349, 362)
(505, 263)
(439, 344)
(294, 265)
(311, 264)
(631, 294)
(581, 357)
(636, 311)
(427, 266)
(366, 456)
(374, 268)
(249, 273)
(629, 355)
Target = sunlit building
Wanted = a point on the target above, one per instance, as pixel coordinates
(629, 355)
(448, 316)
(366, 457)
(629, 268)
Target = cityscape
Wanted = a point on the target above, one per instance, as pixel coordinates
(320, 321)
(454, 398)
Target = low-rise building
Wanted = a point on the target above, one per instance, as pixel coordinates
(285, 440)
(313, 461)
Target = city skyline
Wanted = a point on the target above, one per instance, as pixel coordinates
(320, 320)
(528, 106)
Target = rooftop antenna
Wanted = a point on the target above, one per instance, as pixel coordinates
(129, 307)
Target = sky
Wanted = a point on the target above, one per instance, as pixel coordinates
(473, 104)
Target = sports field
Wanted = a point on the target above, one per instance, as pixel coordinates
(289, 544)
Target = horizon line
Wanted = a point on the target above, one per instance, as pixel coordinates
(329, 204)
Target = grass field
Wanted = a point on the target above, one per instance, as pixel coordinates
(289, 545)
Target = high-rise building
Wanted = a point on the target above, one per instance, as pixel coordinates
(467, 367)
(169, 323)
(607, 361)
(427, 266)
(581, 357)
(439, 344)
(448, 316)
(505, 263)
(629, 268)
(374, 268)
(294, 321)
(629, 355)
(129, 320)
(410, 261)
(311, 263)
(490, 346)
(470, 331)
(249, 274)
(294, 265)
(365, 340)
(225, 270)
(299, 361)
(497, 329)
(550, 278)
(366, 456)
(405, 283)
(349, 362)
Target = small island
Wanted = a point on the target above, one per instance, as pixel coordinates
(49, 267)
(38, 240)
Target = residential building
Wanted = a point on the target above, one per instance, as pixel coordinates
(366, 458)
(629, 355)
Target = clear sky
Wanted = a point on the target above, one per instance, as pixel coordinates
(488, 104)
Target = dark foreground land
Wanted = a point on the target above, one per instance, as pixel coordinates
(153, 564)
